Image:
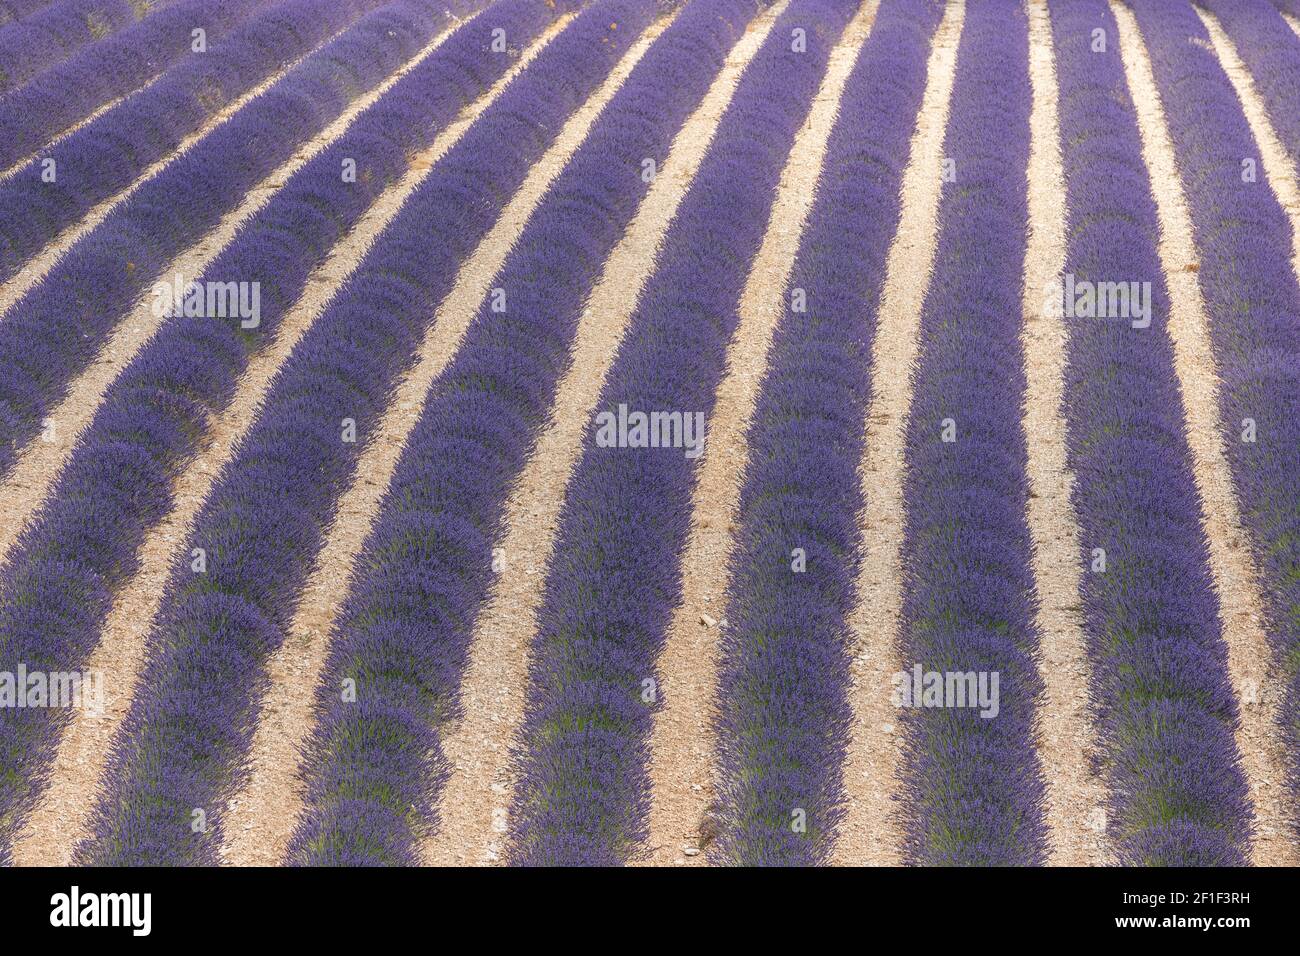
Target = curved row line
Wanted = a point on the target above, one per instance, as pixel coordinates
(56, 589)
(183, 743)
(1066, 729)
(972, 780)
(1166, 710)
(682, 744)
(107, 161)
(1272, 54)
(197, 379)
(432, 543)
(474, 805)
(55, 331)
(1252, 300)
(870, 833)
(299, 672)
(28, 483)
(782, 691)
(58, 31)
(581, 757)
(61, 96)
(1159, 668)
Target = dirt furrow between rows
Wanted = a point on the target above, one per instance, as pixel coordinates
(870, 834)
(682, 745)
(494, 690)
(1249, 653)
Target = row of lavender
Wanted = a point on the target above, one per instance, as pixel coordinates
(426, 568)
(783, 695)
(57, 32)
(1166, 712)
(1244, 239)
(58, 187)
(58, 585)
(188, 731)
(971, 776)
(1271, 53)
(614, 578)
(66, 93)
(58, 328)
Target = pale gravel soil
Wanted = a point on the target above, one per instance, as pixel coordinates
(268, 808)
(1293, 21)
(682, 744)
(1249, 655)
(871, 834)
(1076, 796)
(58, 821)
(494, 692)
(1280, 172)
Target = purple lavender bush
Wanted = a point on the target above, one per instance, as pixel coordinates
(65, 94)
(614, 575)
(375, 766)
(1271, 51)
(54, 331)
(57, 32)
(784, 711)
(972, 784)
(81, 547)
(1159, 688)
(1244, 239)
(11, 10)
(106, 156)
(191, 723)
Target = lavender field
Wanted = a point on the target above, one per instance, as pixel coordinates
(670, 432)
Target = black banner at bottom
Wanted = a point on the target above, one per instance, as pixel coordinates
(335, 906)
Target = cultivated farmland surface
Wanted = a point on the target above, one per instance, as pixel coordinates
(672, 432)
